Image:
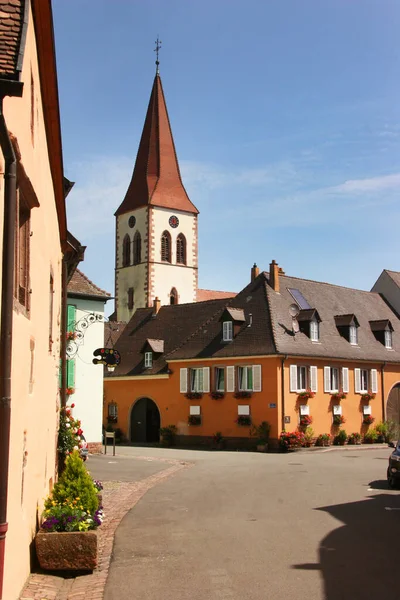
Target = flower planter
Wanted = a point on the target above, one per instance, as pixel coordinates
(67, 551)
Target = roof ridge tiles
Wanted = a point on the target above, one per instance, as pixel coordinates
(74, 283)
(345, 287)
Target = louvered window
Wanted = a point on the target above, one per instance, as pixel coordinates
(166, 247)
(137, 249)
(126, 251)
(181, 250)
(131, 298)
(173, 297)
(21, 290)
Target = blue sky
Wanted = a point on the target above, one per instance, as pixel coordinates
(286, 120)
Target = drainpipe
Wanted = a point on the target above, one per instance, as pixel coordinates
(63, 345)
(6, 324)
(383, 391)
(283, 391)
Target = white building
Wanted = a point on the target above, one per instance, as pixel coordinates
(85, 328)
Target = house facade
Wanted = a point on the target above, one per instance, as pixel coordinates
(281, 349)
(38, 257)
(85, 329)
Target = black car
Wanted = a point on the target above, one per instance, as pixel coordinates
(393, 472)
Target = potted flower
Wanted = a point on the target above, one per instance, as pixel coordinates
(338, 396)
(354, 439)
(305, 420)
(308, 436)
(71, 516)
(338, 419)
(244, 420)
(218, 441)
(71, 335)
(70, 435)
(341, 438)
(371, 437)
(323, 439)
(368, 419)
(261, 432)
(291, 440)
(217, 395)
(306, 395)
(194, 420)
(167, 435)
(243, 394)
(368, 396)
(194, 395)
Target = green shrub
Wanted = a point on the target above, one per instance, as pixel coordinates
(261, 432)
(340, 438)
(75, 487)
(387, 431)
(168, 435)
(370, 437)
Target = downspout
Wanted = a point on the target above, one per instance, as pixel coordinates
(63, 345)
(383, 390)
(283, 391)
(6, 324)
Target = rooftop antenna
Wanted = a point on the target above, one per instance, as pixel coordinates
(294, 312)
(157, 49)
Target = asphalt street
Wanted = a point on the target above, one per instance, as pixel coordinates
(236, 526)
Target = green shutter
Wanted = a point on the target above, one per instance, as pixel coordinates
(71, 373)
(71, 317)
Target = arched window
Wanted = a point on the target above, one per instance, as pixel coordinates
(126, 251)
(173, 297)
(137, 249)
(166, 247)
(181, 249)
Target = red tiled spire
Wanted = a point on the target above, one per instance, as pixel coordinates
(156, 178)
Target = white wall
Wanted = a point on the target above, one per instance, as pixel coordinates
(88, 396)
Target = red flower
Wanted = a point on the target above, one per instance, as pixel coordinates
(80, 431)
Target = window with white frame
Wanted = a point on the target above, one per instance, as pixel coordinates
(302, 378)
(314, 330)
(148, 360)
(227, 331)
(353, 337)
(112, 412)
(363, 380)
(331, 380)
(388, 339)
(196, 380)
(245, 379)
(219, 379)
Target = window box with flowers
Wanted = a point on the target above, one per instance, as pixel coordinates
(368, 419)
(194, 395)
(243, 420)
(306, 395)
(217, 395)
(194, 420)
(339, 396)
(305, 420)
(112, 419)
(243, 394)
(368, 396)
(338, 420)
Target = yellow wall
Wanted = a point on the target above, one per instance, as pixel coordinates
(34, 403)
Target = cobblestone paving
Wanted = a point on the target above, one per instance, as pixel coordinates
(118, 499)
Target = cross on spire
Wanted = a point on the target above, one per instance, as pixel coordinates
(157, 49)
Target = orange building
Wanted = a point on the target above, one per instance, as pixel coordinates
(220, 365)
(38, 257)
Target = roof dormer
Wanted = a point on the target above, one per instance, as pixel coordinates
(232, 320)
(309, 321)
(347, 326)
(382, 331)
(152, 349)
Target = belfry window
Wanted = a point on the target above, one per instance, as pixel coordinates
(173, 297)
(137, 249)
(126, 251)
(181, 249)
(166, 247)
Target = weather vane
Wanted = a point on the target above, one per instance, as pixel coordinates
(157, 49)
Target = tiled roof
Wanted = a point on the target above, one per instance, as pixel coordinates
(156, 178)
(80, 285)
(395, 275)
(11, 36)
(213, 295)
(156, 346)
(332, 301)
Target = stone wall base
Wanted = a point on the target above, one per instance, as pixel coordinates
(95, 447)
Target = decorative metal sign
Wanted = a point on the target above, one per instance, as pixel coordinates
(107, 357)
(75, 338)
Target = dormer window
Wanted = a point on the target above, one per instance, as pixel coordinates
(353, 338)
(148, 360)
(347, 326)
(232, 321)
(314, 330)
(227, 331)
(382, 331)
(152, 350)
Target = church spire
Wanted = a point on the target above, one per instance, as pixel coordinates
(156, 178)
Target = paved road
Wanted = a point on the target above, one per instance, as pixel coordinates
(237, 526)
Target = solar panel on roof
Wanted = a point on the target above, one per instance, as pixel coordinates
(299, 298)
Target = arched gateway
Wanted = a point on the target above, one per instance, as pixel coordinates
(393, 405)
(145, 421)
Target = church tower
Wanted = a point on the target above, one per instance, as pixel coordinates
(156, 228)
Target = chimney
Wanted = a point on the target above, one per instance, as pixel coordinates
(156, 306)
(255, 271)
(274, 276)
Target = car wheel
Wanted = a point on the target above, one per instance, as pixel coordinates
(392, 481)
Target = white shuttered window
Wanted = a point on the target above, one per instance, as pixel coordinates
(230, 379)
(183, 381)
